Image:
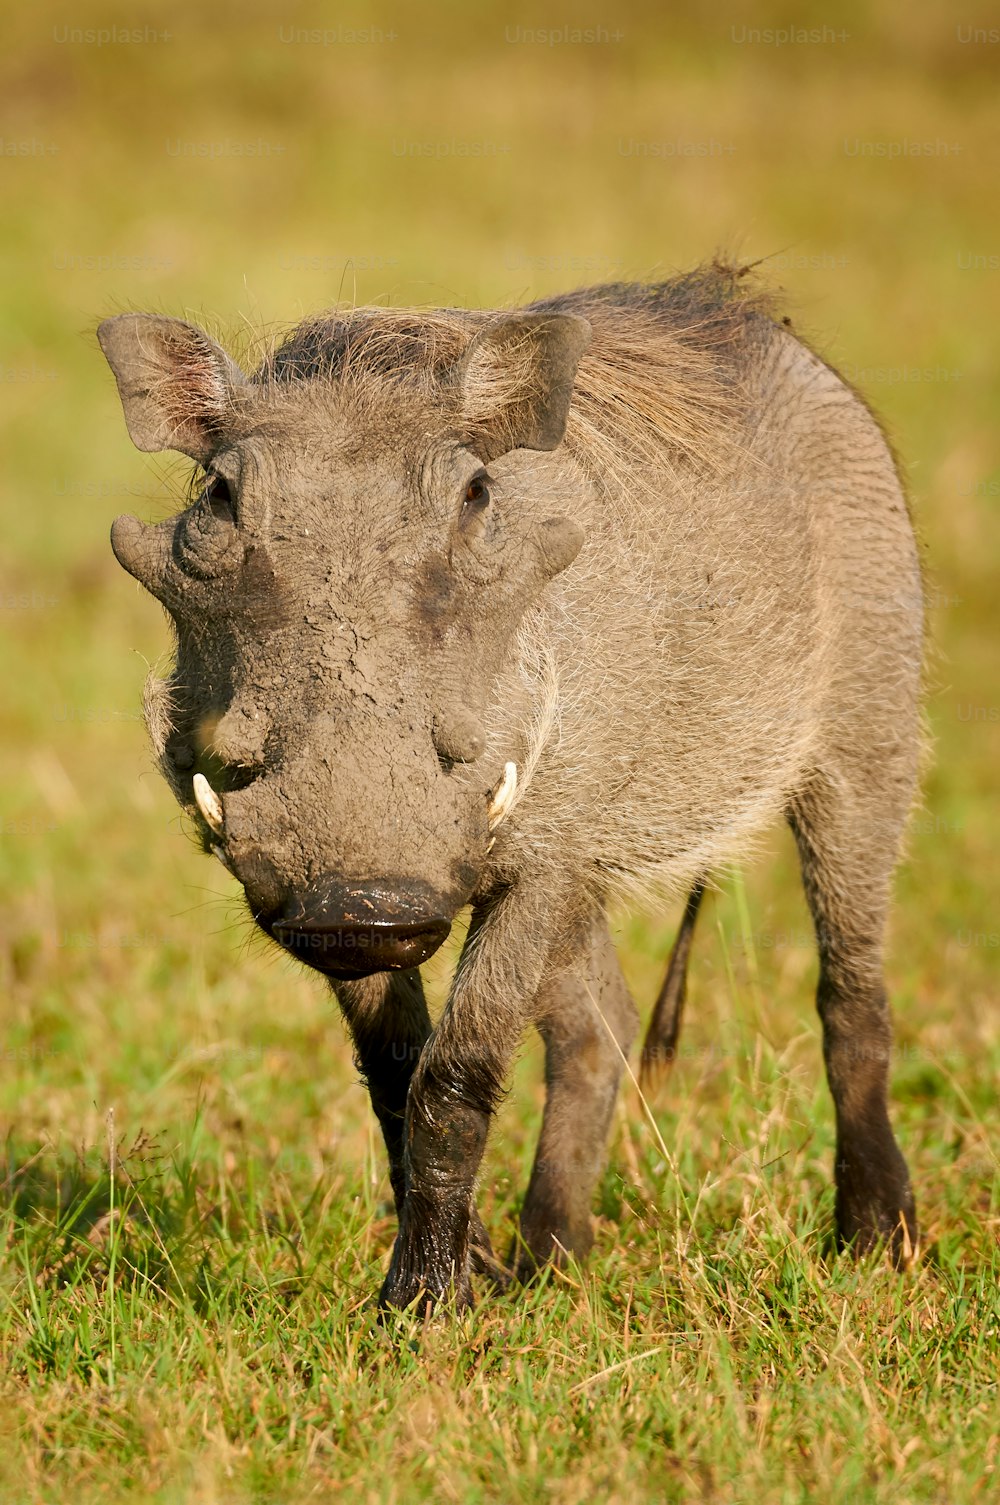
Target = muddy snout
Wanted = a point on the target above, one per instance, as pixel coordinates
(352, 930)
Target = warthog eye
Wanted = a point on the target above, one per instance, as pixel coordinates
(477, 493)
(207, 539)
(219, 498)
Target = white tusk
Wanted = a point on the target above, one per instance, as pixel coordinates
(503, 796)
(208, 803)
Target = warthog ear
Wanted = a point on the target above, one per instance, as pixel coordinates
(175, 382)
(517, 381)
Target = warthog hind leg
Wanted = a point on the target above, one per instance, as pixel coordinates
(846, 858)
(659, 1049)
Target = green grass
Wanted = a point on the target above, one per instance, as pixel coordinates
(195, 1206)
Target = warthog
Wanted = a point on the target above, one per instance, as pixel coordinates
(530, 611)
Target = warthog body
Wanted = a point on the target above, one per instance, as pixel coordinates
(530, 611)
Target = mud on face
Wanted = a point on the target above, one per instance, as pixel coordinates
(344, 590)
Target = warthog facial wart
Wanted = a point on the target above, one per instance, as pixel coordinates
(530, 611)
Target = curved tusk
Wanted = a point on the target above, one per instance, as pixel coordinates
(218, 852)
(208, 803)
(503, 796)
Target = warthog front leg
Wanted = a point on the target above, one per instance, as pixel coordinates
(455, 1089)
(588, 1021)
(389, 1024)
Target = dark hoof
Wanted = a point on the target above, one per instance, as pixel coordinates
(898, 1233)
(424, 1273)
(419, 1296)
(877, 1212)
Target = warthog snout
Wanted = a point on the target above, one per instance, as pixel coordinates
(351, 931)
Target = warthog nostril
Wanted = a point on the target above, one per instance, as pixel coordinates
(352, 950)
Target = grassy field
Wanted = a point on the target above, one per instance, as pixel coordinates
(195, 1207)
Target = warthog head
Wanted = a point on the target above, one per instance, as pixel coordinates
(373, 523)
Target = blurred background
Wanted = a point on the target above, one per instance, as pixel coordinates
(244, 166)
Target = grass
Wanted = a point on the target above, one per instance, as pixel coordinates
(195, 1208)
(206, 1332)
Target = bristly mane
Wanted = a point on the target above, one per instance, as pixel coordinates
(664, 368)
